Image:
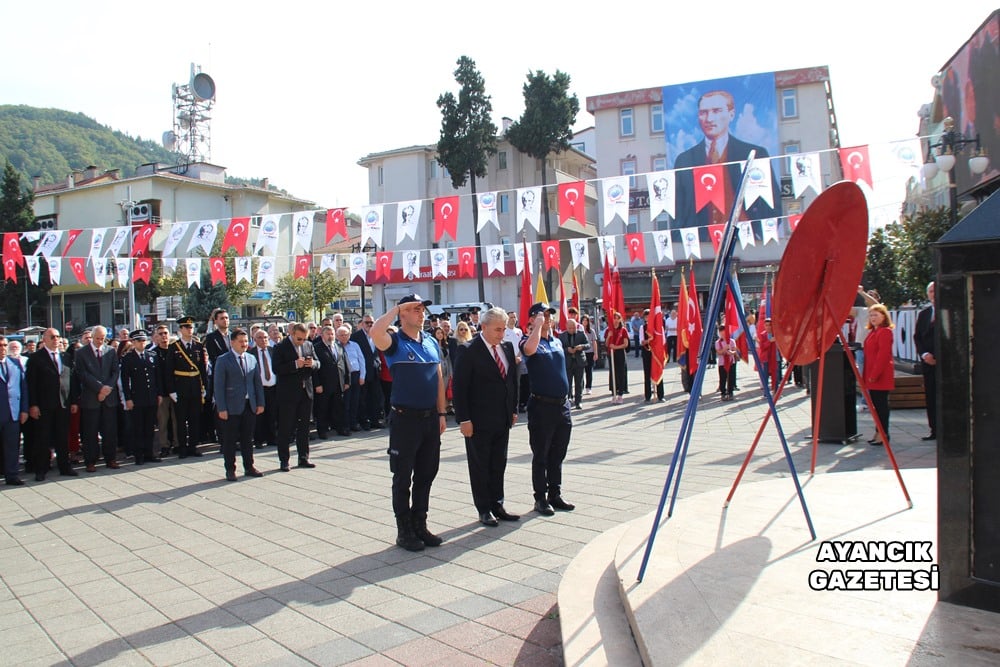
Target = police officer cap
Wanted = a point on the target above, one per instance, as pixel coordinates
(474, 309)
(185, 320)
(415, 298)
(539, 308)
(138, 334)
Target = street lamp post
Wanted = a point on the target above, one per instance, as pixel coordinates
(127, 214)
(949, 146)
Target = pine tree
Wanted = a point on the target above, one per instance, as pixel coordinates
(17, 215)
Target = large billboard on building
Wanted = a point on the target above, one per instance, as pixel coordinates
(970, 93)
(720, 121)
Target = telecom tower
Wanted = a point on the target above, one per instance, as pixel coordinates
(191, 137)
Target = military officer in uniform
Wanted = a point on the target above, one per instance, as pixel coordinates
(141, 388)
(186, 379)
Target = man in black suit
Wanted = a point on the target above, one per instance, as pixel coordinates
(329, 382)
(266, 426)
(143, 394)
(294, 363)
(485, 397)
(49, 379)
(216, 344)
(96, 370)
(370, 404)
(716, 110)
(923, 339)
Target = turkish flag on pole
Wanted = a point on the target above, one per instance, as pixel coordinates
(550, 251)
(383, 265)
(636, 248)
(70, 237)
(217, 269)
(336, 223)
(856, 166)
(617, 296)
(575, 300)
(143, 270)
(606, 289)
(716, 232)
(12, 249)
(445, 217)
(694, 326)
(237, 235)
(571, 202)
(793, 221)
(140, 242)
(303, 264)
(563, 305)
(682, 318)
(658, 344)
(78, 266)
(710, 187)
(733, 325)
(526, 297)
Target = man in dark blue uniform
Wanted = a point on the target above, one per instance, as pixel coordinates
(549, 421)
(143, 395)
(416, 417)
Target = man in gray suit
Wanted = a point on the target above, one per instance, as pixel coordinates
(239, 398)
(95, 372)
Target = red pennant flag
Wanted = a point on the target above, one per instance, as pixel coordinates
(733, 325)
(140, 241)
(336, 223)
(692, 323)
(383, 265)
(571, 202)
(716, 232)
(617, 295)
(79, 267)
(12, 249)
(466, 261)
(563, 305)
(682, 318)
(70, 237)
(237, 235)
(658, 343)
(10, 270)
(526, 297)
(606, 289)
(550, 251)
(636, 248)
(143, 270)
(575, 301)
(303, 264)
(710, 187)
(856, 166)
(793, 221)
(217, 268)
(445, 217)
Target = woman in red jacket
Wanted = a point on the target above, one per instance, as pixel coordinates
(880, 375)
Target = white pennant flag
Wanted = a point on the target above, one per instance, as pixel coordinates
(169, 266)
(265, 271)
(664, 244)
(529, 207)
(118, 241)
(50, 241)
(494, 258)
(177, 233)
(204, 236)
(745, 231)
(411, 264)
(662, 193)
(606, 244)
(692, 246)
(407, 218)
(193, 271)
(328, 263)
(581, 253)
(769, 229)
(32, 264)
(267, 237)
(759, 183)
(371, 225)
(439, 263)
(359, 265)
(31, 236)
(805, 171)
(96, 243)
(487, 203)
(244, 270)
(303, 231)
(615, 200)
(519, 257)
(101, 272)
(55, 269)
(122, 271)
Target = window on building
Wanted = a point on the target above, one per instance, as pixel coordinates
(381, 176)
(502, 160)
(432, 168)
(633, 222)
(792, 147)
(580, 146)
(445, 174)
(789, 103)
(789, 148)
(628, 169)
(504, 202)
(92, 313)
(656, 119)
(660, 163)
(626, 126)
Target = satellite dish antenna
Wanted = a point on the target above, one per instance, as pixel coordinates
(203, 86)
(169, 140)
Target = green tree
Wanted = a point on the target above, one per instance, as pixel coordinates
(305, 295)
(468, 138)
(17, 215)
(913, 248)
(882, 270)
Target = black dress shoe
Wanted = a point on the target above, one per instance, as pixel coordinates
(355, 428)
(284, 467)
(155, 459)
(39, 476)
(253, 472)
(304, 463)
(558, 503)
(487, 519)
(69, 472)
(322, 436)
(230, 476)
(502, 514)
(377, 424)
(344, 432)
(544, 508)
(15, 482)
(932, 436)
(366, 427)
(194, 452)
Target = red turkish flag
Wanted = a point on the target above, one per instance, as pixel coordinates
(571, 202)
(575, 300)
(217, 267)
(793, 221)
(143, 270)
(716, 232)
(856, 166)
(466, 260)
(10, 270)
(237, 235)
(550, 251)
(303, 265)
(383, 265)
(445, 217)
(658, 339)
(70, 237)
(336, 223)
(79, 267)
(636, 248)
(710, 187)
(733, 325)
(12, 249)
(140, 240)
(606, 289)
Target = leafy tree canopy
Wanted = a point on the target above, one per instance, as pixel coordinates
(548, 118)
(468, 135)
(17, 215)
(305, 295)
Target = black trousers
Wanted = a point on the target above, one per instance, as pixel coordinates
(672, 349)
(486, 452)
(294, 413)
(237, 433)
(930, 396)
(103, 420)
(588, 371)
(574, 373)
(727, 379)
(51, 430)
(328, 410)
(142, 422)
(10, 432)
(188, 412)
(647, 377)
(414, 459)
(549, 429)
(266, 423)
(370, 403)
(880, 401)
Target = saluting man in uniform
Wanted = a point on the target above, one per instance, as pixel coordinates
(143, 395)
(186, 379)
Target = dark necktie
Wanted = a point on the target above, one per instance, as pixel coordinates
(496, 356)
(267, 366)
(243, 367)
(3, 370)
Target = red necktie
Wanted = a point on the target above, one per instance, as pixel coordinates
(496, 356)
